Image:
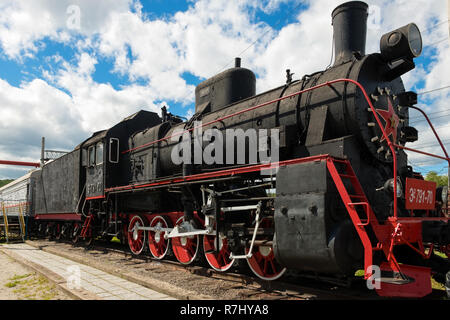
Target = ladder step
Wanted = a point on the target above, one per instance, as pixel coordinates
(357, 196)
(341, 161)
(364, 223)
(349, 176)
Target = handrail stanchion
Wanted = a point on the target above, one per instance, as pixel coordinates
(21, 222)
(5, 220)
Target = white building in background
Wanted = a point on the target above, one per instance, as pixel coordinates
(18, 192)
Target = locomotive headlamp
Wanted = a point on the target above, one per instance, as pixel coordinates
(403, 43)
(389, 186)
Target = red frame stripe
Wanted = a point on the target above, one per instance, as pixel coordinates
(57, 216)
(95, 198)
(221, 173)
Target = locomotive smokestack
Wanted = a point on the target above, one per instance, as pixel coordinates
(350, 29)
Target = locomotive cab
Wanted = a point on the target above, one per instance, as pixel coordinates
(94, 163)
(103, 160)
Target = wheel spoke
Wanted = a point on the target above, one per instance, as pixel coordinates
(190, 250)
(224, 255)
(274, 269)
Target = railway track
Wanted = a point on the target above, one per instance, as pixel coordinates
(237, 283)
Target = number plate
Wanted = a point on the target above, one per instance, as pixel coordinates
(420, 194)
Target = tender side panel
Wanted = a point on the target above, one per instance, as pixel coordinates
(57, 187)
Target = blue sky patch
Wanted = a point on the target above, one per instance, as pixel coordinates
(285, 14)
(163, 8)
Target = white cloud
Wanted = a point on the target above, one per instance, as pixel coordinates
(31, 111)
(269, 6)
(200, 41)
(99, 105)
(37, 108)
(23, 23)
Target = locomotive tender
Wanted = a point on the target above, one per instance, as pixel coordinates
(334, 203)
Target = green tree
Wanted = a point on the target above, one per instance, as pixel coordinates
(440, 180)
(5, 182)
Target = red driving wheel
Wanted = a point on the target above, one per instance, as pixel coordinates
(263, 262)
(219, 261)
(185, 249)
(158, 245)
(136, 238)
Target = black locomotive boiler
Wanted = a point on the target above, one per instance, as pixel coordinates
(334, 202)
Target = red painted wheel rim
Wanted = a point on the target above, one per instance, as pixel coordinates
(263, 263)
(219, 261)
(185, 249)
(136, 238)
(157, 244)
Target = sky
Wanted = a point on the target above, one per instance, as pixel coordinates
(69, 68)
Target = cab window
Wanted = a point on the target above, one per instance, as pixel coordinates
(114, 150)
(99, 153)
(91, 156)
(84, 158)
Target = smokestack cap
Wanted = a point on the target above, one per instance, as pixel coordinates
(350, 5)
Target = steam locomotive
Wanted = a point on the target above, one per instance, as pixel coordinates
(336, 199)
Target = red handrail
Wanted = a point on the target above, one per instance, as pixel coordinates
(19, 163)
(328, 83)
(18, 205)
(435, 134)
